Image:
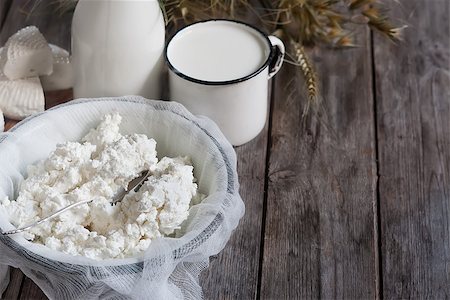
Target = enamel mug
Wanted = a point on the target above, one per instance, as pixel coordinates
(221, 69)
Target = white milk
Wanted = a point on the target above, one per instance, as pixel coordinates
(117, 48)
(220, 69)
(218, 51)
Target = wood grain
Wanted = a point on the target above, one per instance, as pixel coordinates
(320, 198)
(4, 9)
(15, 284)
(320, 239)
(234, 274)
(413, 108)
(31, 291)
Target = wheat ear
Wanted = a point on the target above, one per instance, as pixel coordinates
(310, 77)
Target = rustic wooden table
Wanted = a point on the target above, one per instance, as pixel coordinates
(356, 205)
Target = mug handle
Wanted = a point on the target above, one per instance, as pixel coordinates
(276, 61)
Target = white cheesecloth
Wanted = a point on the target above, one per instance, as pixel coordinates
(170, 267)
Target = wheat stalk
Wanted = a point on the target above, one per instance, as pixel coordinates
(303, 22)
(310, 77)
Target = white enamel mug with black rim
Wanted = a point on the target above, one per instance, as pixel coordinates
(230, 87)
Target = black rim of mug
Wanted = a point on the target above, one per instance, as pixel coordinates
(271, 56)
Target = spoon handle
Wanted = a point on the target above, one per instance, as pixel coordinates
(18, 230)
(135, 184)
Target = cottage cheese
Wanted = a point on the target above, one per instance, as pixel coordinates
(96, 169)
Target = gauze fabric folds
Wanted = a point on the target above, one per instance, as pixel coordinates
(170, 267)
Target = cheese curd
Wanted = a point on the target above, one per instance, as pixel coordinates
(97, 168)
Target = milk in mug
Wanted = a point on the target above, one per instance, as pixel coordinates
(220, 69)
(218, 52)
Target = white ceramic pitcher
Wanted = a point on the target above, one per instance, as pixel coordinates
(117, 48)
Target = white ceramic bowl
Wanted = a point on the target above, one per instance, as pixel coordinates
(176, 131)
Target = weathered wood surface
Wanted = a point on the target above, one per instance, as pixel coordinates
(242, 253)
(4, 9)
(319, 234)
(31, 291)
(413, 112)
(319, 192)
(15, 285)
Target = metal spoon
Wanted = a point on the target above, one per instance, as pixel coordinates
(134, 184)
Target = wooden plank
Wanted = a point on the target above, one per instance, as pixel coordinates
(320, 233)
(31, 291)
(234, 274)
(13, 290)
(4, 9)
(413, 109)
